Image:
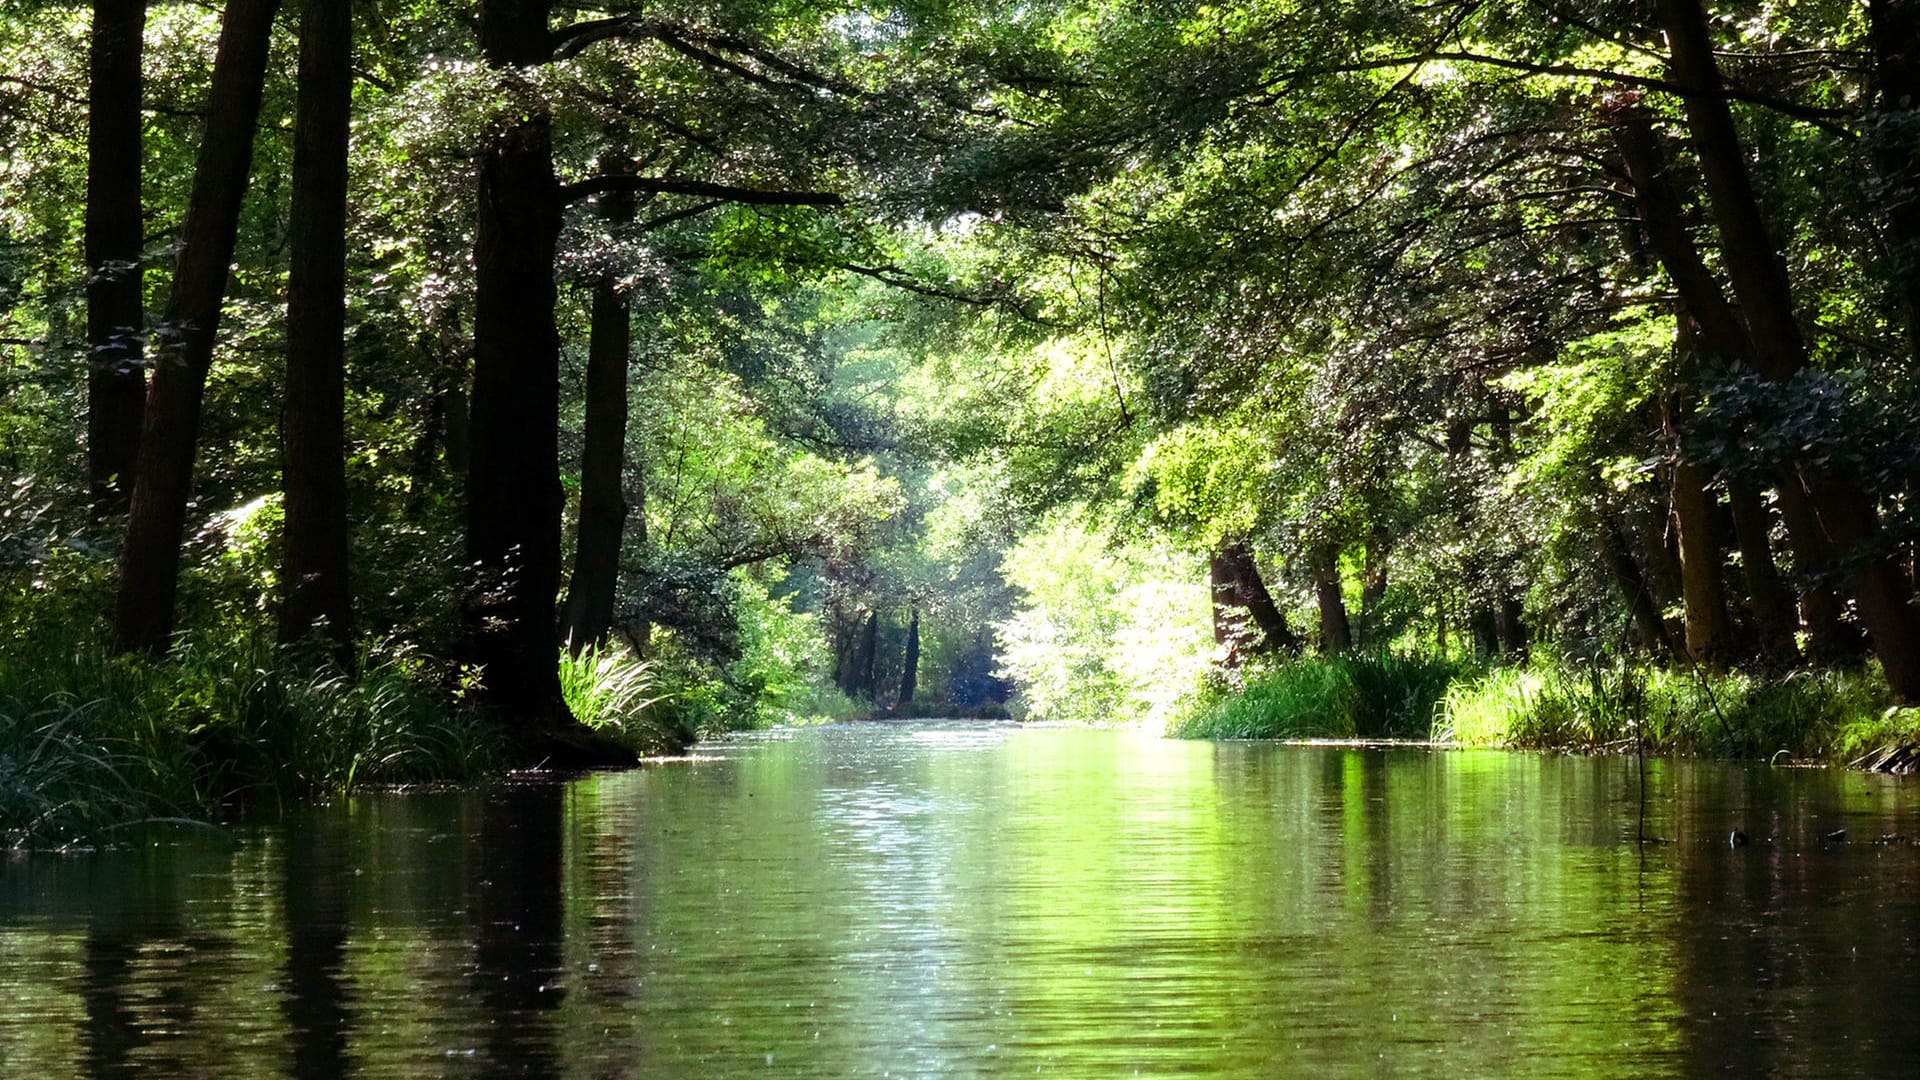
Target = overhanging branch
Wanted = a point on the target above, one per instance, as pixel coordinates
(702, 189)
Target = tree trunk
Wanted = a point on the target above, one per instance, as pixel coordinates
(1510, 624)
(313, 424)
(116, 377)
(1845, 513)
(163, 475)
(1251, 592)
(514, 500)
(1895, 36)
(1702, 589)
(1373, 584)
(1229, 617)
(1336, 636)
(603, 506)
(1240, 597)
(1709, 633)
(1647, 622)
(1725, 341)
(910, 669)
(1768, 600)
(863, 664)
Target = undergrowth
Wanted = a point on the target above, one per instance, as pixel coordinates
(1343, 697)
(91, 741)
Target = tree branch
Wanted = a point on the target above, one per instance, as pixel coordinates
(666, 185)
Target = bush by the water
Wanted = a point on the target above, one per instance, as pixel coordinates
(1341, 697)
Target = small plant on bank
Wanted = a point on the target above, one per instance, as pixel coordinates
(613, 691)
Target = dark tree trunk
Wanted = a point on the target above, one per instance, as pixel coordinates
(864, 682)
(910, 670)
(116, 377)
(313, 424)
(1373, 585)
(1652, 522)
(1510, 625)
(1486, 630)
(1768, 601)
(1229, 616)
(1702, 588)
(1724, 340)
(1709, 632)
(163, 476)
(514, 500)
(1239, 596)
(1251, 590)
(1647, 624)
(1336, 636)
(1845, 513)
(1895, 36)
(603, 506)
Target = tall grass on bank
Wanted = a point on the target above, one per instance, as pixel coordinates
(1807, 715)
(613, 691)
(90, 740)
(1342, 697)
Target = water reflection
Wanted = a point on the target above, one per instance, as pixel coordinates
(986, 900)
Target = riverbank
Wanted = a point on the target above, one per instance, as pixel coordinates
(1828, 716)
(91, 741)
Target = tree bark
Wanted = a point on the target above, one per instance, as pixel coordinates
(163, 476)
(514, 500)
(1336, 635)
(116, 376)
(910, 669)
(314, 570)
(863, 664)
(1894, 32)
(1239, 597)
(603, 506)
(1768, 601)
(1702, 588)
(1647, 622)
(1845, 513)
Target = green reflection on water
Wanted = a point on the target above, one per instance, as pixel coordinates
(985, 900)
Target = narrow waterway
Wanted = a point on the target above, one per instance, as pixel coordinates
(987, 900)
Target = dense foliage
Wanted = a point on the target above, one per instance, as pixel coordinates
(805, 358)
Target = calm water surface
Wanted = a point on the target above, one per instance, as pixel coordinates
(985, 900)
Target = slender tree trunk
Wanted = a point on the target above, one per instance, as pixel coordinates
(116, 376)
(1251, 591)
(1895, 36)
(603, 506)
(314, 570)
(1486, 630)
(1647, 623)
(1702, 588)
(1845, 513)
(863, 680)
(1768, 600)
(514, 500)
(163, 476)
(1373, 584)
(1702, 553)
(1510, 624)
(910, 665)
(1336, 636)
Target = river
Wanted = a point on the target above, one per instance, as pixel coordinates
(989, 900)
